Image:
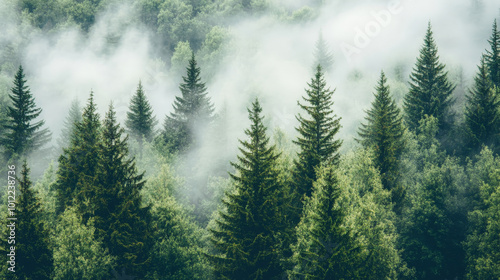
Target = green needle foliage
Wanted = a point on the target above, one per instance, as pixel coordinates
(23, 135)
(69, 128)
(140, 121)
(77, 254)
(383, 132)
(115, 202)
(317, 132)
(493, 55)
(430, 91)
(33, 256)
(192, 110)
(325, 248)
(244, 233)
(79, 162)
(482, 112)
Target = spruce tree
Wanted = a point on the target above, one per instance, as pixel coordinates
(493, 55)
(192, 110)
(317, 132)
(33, 256)
(325, 248)
(383, 132)
(482, 112)
(430, 91)
(23, 134)
(322, 54)
(68, 131)
(140, 121)
(244, 232)
(115, 202)
(78, 163)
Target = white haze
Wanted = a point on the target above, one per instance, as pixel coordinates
(270, 59)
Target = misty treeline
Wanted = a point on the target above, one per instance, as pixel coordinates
(418, 196)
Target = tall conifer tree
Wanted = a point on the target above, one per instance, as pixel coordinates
(322, 54)
(325, 248)
(192, 110)
(493, 55)
(69, 127)
(482, 112)
(115, 202)
(244, 233)
(383, 132)
(140, 121)
(23, 134)
(317, 131)
(430, 91)
(33, 256)
(78, 163)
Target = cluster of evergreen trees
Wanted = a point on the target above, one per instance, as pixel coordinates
(418, 200)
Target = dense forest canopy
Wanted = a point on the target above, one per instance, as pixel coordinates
(250, 139)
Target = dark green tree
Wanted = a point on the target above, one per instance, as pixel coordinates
(244, 233)
(115, 203)
(325, 248)
(430, 91)
(23, 134)
(140, 121)
(317, 132)
(69, 126)
(192, 110)
(79, 162)
(482, 112)
(383, 132)
(493, 55)
(33, 256)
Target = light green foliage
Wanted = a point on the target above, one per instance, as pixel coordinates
(45, 188)
(482, 243)
(364, 232)
(213, 49)
(176, 253)
(370, 215)
(77, 254)
(176, 23)
(180, 58)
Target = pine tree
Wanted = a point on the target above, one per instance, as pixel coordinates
(33, 256)
(23, 135)
(322, 54)
(69, 126)
(383, 132)
(317, 131)
(482, 111)
(192, 110)
(115, 202)
(140, 121)
(78, 163)
(244, 235)
(430, 91)
(325, 248)
(493, 55)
